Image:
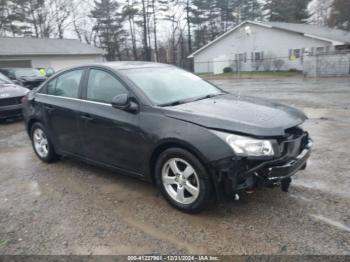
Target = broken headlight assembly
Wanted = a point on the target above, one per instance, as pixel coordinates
(247, 146)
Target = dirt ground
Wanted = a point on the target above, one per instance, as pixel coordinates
(71, 208)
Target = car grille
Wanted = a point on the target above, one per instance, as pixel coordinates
(295, 141)
(10, 101)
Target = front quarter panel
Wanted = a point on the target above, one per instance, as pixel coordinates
(161, 130)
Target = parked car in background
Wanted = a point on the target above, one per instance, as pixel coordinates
(10, 98)
(26, 77)
(165, 125)
(47, 72)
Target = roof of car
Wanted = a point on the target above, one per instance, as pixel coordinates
(122, 65)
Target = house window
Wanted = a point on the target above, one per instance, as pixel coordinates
(242, 57)
(257, 56)
(295, 54)
(319, 50)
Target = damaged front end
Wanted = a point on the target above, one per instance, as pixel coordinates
(238, 174)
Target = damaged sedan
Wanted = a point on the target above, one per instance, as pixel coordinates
(167, 126)
(10, 98)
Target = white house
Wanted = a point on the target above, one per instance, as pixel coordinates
(265, 46)
(46, 52)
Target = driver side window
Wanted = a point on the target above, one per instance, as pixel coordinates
(102, 86)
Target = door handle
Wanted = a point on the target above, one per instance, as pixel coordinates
(87, 117)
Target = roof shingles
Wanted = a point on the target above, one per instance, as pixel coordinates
(12, 46)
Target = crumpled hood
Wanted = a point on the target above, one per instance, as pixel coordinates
(247, 115)
(9, 90)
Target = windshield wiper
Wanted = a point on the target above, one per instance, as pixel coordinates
(207, 96)
(184, 101)
(176, 103)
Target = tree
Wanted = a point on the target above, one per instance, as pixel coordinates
(60, 12)
(250, 10)
(82, 22)
(291, 11)
(320, 10)
(36, 15)
(145, 31)
(109, 27)
(340, 14)
(188, 21)
(130, 12)
(11, 18)
(158, 9)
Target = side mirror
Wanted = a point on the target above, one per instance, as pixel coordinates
(124, 102)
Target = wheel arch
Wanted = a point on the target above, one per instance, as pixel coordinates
(31, 122)
(173, 143)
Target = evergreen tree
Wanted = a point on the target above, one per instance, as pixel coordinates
(211, 18)
(250, 10)
(340, 14)
(292, 11)
(109, 27)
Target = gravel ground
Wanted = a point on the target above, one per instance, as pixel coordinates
(72, 208)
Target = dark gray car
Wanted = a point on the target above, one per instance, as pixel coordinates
(10, 98)
(26, 77)
(168, 126)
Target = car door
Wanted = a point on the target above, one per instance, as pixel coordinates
(61, 107)
(110, 136)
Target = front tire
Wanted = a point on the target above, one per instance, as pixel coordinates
(42, 144)
(183, 180)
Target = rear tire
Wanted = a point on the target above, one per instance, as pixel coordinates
(42, 144)
(183, 180)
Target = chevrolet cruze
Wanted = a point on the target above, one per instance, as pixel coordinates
(167, 126)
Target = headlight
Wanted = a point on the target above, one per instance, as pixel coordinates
(247, 146)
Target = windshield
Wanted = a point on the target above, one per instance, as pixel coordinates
(170, 85)
(4, 80)
(27, 72)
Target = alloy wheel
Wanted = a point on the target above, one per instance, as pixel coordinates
(180, 181)
(40, 143)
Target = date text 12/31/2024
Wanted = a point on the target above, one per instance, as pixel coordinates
(173, 258)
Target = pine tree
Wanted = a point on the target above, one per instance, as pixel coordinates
(250, 10)
(340, 14)
(205, 17)
(109, 27)
(292, 11)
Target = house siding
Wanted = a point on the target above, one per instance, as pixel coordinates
(271, 41)
(54, 61)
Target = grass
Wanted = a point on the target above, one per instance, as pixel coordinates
(3, 243)
(251, 75)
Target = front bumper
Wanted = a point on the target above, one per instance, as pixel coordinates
(10, 111)
(236, 174)
(281, 172)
